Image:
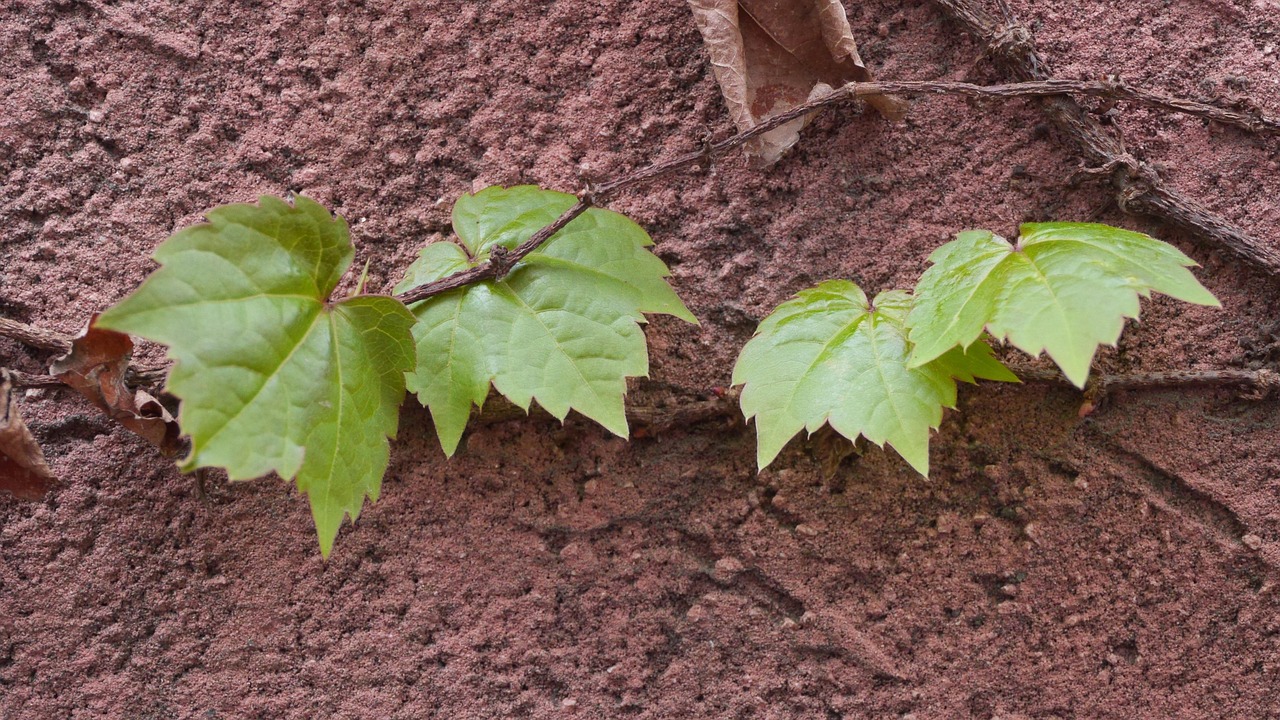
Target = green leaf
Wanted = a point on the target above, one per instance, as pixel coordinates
(271, 377)
(561, 328)
(974, 363)
(827, 356)
(1064, 289)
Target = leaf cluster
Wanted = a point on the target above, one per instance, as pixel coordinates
(884, 370)
(279, 373)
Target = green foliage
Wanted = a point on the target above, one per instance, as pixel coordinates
(561, 328)
(271, 375)
(885, 371)
(274, 376)
(827, 356)
(1064, 289)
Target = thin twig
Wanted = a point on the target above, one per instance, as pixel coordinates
(1259, 381)
(682, 407)
(34, 336)
(1138, 186)
(27, 380)
(498, 266)
(1263, 381)
(51, 340)
(1111, 88)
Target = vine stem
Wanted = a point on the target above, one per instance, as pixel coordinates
(683, 408)
(1202, 222)
(52, 340)
(1263, 381)
(34, 336)
(20, 379)
(1139, 188)
(686, 407)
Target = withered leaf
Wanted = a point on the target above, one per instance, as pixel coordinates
(96, 368)
(23, 470)
(771, 56)
(831, 449)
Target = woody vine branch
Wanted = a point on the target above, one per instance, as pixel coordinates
(1212, 231)
(1139, 188)
(1016, 52)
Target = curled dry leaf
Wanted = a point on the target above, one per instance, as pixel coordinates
(96, 368)
(23, 470)
(771, 56)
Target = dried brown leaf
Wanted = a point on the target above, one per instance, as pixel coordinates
(771, 56)
(96, 368)
(831, 450)
(23, 470)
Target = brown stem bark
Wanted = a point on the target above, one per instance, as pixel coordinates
(34, 336)
(51, 340)
(27, 380)
(1138, 186)
(684, 408)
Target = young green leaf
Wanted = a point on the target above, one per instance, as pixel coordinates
(1064, 289)
(561, 328)
(828, 356)
(974, 363)
(271, 376)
